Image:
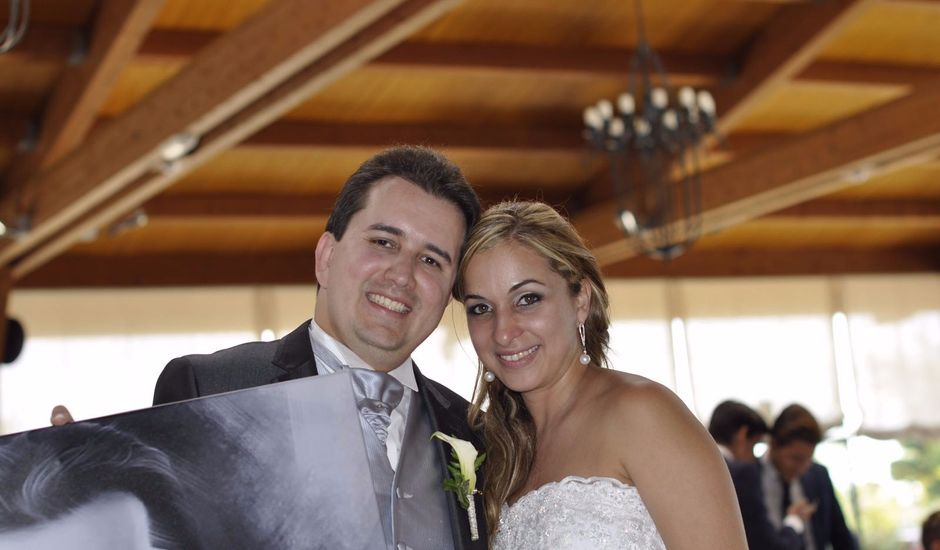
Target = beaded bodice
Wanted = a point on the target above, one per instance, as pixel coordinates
(594, 513)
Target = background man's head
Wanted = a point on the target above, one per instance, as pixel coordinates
(930, 535)
(793, 439)
(387, 262)
(737, 427)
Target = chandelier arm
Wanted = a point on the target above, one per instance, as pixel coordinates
(16, 26)
(622, 189)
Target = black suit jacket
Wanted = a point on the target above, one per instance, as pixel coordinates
(761, 533)
(259, 363)
(828, 523)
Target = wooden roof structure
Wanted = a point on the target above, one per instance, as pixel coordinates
(830, 161)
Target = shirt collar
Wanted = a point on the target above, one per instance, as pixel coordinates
(404, 373)
(725, 452)
(765, 460)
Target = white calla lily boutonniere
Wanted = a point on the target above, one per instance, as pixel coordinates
(463, 480)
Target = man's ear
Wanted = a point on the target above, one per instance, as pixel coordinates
(324, 255)
(583, 300)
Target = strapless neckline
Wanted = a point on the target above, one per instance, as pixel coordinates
(578, 513)
(571, 479)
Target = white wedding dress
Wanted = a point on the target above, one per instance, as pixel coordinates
(595, 513)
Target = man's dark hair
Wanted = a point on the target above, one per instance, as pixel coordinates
(931, 530)
(729, 416)
(796, 423)
(46, 474)
(429, 170)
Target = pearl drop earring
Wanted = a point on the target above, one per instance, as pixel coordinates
(585, 358)
(489, 376)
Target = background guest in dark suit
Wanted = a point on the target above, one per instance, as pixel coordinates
(790, 475)
(385, 269)
(736, 427)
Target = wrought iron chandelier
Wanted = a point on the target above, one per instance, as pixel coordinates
(653, 142)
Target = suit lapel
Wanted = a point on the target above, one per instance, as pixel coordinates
(294, 355)
(450, 420)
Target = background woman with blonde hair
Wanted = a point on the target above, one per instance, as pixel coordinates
(578, 456)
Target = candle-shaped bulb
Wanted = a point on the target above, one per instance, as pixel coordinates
(660, 98)
(626, 104)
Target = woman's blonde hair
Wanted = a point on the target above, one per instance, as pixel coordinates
(507, 426)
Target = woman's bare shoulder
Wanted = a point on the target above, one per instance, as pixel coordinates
(628, 390)
(631, 402)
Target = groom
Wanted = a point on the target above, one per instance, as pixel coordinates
(385, 270)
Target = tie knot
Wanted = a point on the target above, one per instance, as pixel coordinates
(378, 386)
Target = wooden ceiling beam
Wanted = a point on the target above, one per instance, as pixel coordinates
(222, 206)
(228, 91)
(45, 44)
(201, 269)
(757, 263)
(119, 28)
(14, 131)
(868, 73)
(903, 211)
(786, 46)
(298, 133)
(287, 133)
(229, 206)
(516, 57)
(176, 46)
(799, 169)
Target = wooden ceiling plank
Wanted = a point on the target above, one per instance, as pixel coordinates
(799, 169)
(222, 79)
(373, 34)
(787, 45)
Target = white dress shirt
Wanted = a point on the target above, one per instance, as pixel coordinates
(404, 373)
(772, 485)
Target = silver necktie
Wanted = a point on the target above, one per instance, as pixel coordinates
(377, 395)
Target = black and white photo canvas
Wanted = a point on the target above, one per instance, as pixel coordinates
(279, 466)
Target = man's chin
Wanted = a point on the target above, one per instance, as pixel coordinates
(384, 345)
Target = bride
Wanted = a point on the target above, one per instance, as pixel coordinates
(578, 456)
